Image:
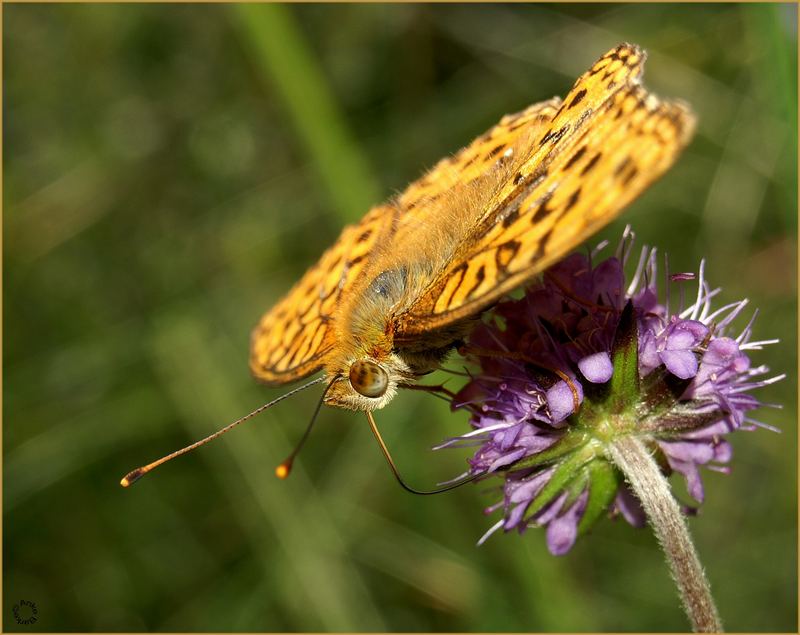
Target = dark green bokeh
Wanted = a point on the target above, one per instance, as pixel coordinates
(171, 170)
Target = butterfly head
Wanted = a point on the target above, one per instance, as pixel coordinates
(366, 383)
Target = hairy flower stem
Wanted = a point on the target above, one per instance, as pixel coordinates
(666, 519)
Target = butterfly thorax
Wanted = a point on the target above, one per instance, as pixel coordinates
(372, 363)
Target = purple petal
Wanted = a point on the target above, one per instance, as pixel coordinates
(597, 368)
(514, 517)
(680, 339)
(720, 427)
(561, 401)
(685, 333)
(526, 490)
(682, 364)
(723, 452)
(507, 459)
(722, 360)
(550, 511)
(721, 351)
(563, 530)
(694, 484)
(647, 301)
(649, 359)
(608, 280)
(630, 507)
(695, 451)
(535, 442)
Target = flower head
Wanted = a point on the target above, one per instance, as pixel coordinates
(585, 358)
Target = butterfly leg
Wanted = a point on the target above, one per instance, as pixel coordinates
(477, 351)
(438, 389)
(574, 298)
(441, 392)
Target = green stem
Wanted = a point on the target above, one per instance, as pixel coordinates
(285, 60)
(669, 525)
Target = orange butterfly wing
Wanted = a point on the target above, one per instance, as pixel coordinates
(582, 161)
(472, 162)
(609, 140)
(291, 340)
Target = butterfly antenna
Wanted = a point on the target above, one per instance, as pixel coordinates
(131, 477)
(399, 478)
(283, 470)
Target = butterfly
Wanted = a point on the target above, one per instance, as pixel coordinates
(399, 290)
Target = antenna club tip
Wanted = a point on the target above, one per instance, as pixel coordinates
(131, 477)
(282, 471)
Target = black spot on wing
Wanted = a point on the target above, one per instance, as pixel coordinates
(335, 263)
(578, 98)
(542, 210)
(480, 276)
(576, 195)
(598, 67)
(541, 246)
(554, 136)
(592, 162)
(575, 157)
(496, 150)
(622, 166)
(505, 254)
(458, 272)
(632, 172)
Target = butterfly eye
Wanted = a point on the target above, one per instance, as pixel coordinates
(368, 379)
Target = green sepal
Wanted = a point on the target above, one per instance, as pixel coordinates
(576, 487)
(624, 392)
(604, 482)
(563, 474)
(661, 390)
(570, 442)
(680, 419)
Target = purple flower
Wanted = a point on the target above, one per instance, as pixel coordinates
(553, 390)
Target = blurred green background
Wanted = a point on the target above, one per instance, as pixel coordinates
(171, 170)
